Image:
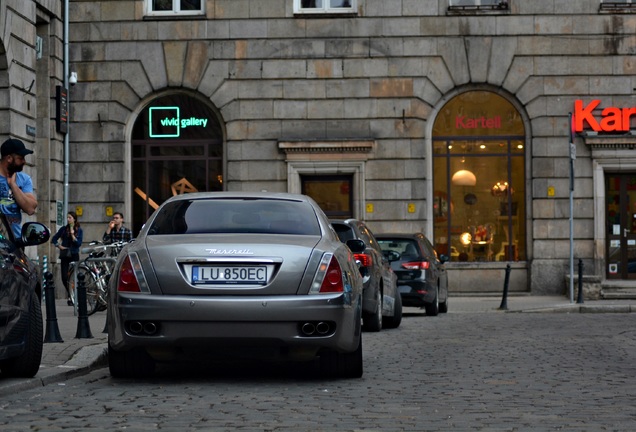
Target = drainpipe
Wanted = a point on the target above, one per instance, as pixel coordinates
(68, 101)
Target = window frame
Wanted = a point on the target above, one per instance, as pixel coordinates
(618, 4)
(176, 10)
(477, 5)
(325, 10)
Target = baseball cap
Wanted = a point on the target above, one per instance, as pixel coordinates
(14, 146)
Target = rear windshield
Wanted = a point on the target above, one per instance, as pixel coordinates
(405, 247)
(236, 216)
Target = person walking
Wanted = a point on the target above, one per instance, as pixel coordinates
(71, 236)
(116, 231)
(16, 187)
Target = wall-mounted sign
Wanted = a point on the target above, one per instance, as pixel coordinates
(611, 119)
(463, 122)
(166, 122)
(59, 219)
(61, 109)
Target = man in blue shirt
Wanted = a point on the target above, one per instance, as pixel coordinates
(16, 187)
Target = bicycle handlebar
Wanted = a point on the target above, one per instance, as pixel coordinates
(97, 246)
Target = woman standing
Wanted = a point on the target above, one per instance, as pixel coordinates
(71, 239)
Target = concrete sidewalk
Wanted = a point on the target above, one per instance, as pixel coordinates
(74, 356)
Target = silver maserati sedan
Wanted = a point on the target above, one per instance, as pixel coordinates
(236, 274)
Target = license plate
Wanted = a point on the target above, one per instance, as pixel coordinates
(251, 275)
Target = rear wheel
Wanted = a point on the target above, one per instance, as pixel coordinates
(334, 364)
(373, 321)
(395, 320)
(28, 363)
(432, 308)
(135, 363)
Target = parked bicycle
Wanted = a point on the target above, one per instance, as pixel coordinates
(96, 268)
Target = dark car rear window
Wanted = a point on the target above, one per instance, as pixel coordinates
(344, 231)
(236, 216)
(405, 247)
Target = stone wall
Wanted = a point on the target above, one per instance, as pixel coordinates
(381, 75)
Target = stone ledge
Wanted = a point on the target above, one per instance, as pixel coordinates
(591, 286)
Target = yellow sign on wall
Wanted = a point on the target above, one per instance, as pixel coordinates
(411, 208)
(79, 210)
(551, 191)
(369, 208)
(109, 211)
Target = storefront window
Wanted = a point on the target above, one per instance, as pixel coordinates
(479, 179)
(177, 147)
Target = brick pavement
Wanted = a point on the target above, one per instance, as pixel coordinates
(75, 356)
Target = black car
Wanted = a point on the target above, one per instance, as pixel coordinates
(21, 327)
(381, 304)
(422, 278)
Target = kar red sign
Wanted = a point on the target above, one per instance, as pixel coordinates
(611, 119)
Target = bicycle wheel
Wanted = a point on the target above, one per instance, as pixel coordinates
(92, 284)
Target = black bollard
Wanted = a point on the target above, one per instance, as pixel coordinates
(83, 329)
(504, 299)
(580, 297)
(52, 330)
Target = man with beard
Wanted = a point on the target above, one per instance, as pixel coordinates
(16, 187)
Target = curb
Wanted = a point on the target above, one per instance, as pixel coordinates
(581, 309)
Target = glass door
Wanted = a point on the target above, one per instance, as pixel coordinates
(620, 215)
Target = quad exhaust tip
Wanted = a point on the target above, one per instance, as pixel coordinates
(317, 328)
(142, 328)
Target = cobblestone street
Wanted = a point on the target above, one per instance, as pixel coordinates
(496, 371)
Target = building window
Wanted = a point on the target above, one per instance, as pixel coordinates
(324, 6)
(478, 4)
(174, 7)
(618, 4)
(333, 193)
(479, 179)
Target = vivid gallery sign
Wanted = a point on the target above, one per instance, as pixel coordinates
(611, 119)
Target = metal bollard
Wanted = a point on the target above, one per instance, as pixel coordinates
(52, 330)
(580, 297)
(504, 299)
(83, 329)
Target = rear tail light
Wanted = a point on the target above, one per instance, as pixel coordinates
(329, 276)
(365, 259)
(416, 265)
(131, 276)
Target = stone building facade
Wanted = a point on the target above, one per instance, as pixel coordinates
(372, 107)
(31, 58)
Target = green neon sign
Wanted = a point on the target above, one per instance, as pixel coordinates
(170, 121)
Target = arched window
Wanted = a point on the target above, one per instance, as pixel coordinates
(177, 147)
(479, 179)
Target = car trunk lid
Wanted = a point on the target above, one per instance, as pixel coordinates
(233, 264)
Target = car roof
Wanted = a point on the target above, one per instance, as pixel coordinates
(240, 195)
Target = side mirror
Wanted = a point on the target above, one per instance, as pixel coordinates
(443, 258)
(34, 233)
(356, 246)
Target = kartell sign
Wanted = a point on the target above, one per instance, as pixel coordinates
(589, 117)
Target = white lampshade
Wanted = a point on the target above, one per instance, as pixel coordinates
(464, 178)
